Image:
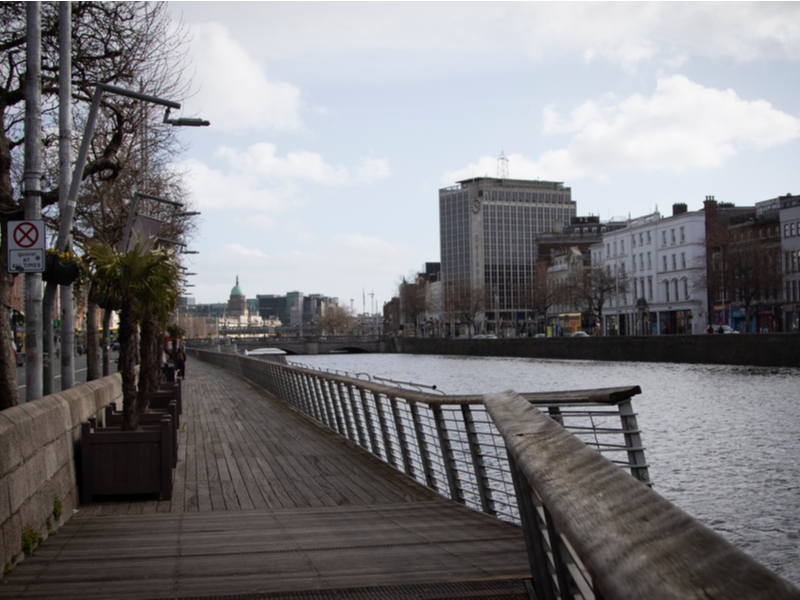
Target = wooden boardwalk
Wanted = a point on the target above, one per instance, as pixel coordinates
(267, 504)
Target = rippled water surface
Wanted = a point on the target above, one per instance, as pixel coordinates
(722, 442)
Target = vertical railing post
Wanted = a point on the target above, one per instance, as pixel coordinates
(478, 465)
(369, 422)
(328, 392)
(424, 447)
(387, 439)
(448, 456)
(362, 436)
(294, 395)
(401, 437)
(319, 394)
(543, 585)
(633, 442)
(345, 414)
(312, 396)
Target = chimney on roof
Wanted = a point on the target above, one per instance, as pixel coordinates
(679, 208)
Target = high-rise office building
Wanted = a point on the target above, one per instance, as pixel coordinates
(488, 231)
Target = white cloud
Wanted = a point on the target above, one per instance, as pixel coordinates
(623, 33)
(257, 178)
(682, 126)
(261, 160)
(213, 189)
(258, 221)
(372, 169)
(235, 92)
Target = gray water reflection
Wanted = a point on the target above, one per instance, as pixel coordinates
(722, 441)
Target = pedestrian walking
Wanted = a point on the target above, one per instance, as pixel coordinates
(180, 361)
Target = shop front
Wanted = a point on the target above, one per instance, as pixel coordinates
(675, 322)
(791, 316)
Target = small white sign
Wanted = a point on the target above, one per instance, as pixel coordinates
(26, 245)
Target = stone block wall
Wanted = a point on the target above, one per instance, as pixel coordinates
(39, 442)
(755, 349)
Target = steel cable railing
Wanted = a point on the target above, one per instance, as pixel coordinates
(453, 445)
(447, 443)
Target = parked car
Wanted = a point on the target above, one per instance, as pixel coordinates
(115, 345)
(727, 329)
(580, 334)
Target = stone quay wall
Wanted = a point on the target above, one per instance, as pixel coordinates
(761, 349)
(39, 447)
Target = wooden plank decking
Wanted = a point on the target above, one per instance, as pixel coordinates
(267, 503)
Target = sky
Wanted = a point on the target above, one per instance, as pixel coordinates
(334, 125)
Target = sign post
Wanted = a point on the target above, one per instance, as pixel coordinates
(26, 241)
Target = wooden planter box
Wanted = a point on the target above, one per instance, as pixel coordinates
(149, 420)
(115, 462)
(160, 399)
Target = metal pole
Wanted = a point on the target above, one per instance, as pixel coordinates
(65, 134)
(33, 201)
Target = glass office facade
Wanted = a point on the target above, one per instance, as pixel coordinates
(488, 236)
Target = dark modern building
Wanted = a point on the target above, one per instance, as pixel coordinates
(295, 309)
(489, 230)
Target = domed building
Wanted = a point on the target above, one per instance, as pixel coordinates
(237, 304)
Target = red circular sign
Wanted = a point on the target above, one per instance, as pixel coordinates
(26, 234)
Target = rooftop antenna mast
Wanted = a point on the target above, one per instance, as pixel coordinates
(502, 166)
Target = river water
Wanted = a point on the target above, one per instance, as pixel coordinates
(722, 442)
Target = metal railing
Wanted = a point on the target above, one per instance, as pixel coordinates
(447, 443)
(591, 530)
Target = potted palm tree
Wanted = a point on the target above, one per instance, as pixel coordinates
(144, 283)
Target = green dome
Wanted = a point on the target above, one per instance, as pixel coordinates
(237, 291)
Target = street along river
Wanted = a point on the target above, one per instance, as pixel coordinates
(722, 441)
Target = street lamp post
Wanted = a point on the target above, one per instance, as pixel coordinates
(68, 212)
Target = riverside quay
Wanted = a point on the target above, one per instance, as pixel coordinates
(285, 481)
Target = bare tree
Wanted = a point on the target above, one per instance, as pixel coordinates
(413, 300)
(598, 285)
(743, 267)
(129, 44)
(336, 320)
(465, 303)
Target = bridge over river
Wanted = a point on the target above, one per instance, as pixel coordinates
(312, 344)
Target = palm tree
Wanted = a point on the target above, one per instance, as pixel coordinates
(155, 305)
(136, 280)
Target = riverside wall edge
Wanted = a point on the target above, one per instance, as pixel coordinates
(39, 445)
(762, 350)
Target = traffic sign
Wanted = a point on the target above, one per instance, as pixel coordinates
(26, 241)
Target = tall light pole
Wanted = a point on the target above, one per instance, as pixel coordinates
(33, 200)
(68, 212)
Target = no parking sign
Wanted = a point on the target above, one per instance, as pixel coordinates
(26, 246)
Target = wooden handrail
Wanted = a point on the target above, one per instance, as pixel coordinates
(633, 542)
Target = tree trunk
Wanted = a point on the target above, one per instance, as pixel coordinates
(92, 341)
(127, 366)
(149, 361)
(106, 341)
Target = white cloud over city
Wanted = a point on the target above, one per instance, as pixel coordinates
(234, 91)
(333, 128)
(682, 125)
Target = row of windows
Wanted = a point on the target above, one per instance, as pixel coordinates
(675, 236)
(518, 196)
(791, 229)
(791, 259)
(792, 291)
(673, 291)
